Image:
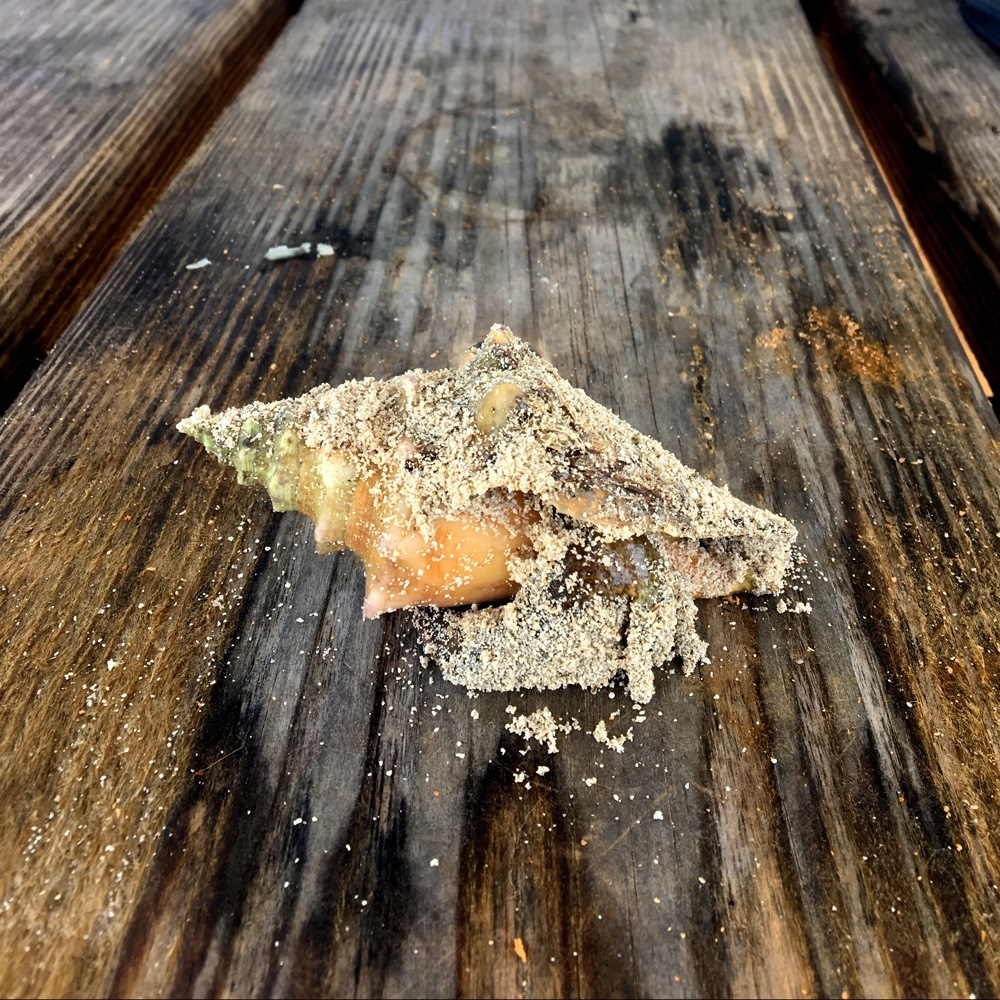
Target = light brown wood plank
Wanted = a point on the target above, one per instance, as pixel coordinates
(674, 208)
(926, 90)
(100, 103)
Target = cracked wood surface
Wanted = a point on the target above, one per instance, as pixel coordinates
(101, 102)
(220, 780)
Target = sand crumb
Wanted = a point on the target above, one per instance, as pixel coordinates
(616, 743)
(542, 726)
(798, 608)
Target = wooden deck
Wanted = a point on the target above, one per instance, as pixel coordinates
(220, 781)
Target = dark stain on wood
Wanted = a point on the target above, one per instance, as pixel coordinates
(361, 908)
(523, 873)
(351, 937)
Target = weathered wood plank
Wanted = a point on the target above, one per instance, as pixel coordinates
(927, 93)
(100, 103)
(668, 200)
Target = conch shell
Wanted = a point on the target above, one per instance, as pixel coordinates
(499, 481)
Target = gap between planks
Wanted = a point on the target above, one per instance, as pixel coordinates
(122, 181)
(937, 237)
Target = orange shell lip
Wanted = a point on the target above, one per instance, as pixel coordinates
(465, 558)
(465, 561)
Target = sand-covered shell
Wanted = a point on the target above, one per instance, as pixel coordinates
(495, 480)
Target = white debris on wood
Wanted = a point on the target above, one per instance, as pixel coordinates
(285, 253)
(197, 265)
(799, 608)
(324, 250)
(542, 726)
(616, 743)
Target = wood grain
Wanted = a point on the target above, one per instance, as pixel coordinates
(926, 91)
(221, 781)
(100, 104)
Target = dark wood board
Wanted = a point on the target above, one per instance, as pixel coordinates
(101, 101)
(670, 203)
(926, 90)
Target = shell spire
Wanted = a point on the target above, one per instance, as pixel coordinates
(265, 443)
(498, 480)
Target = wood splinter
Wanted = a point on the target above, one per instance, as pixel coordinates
(499, 481)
